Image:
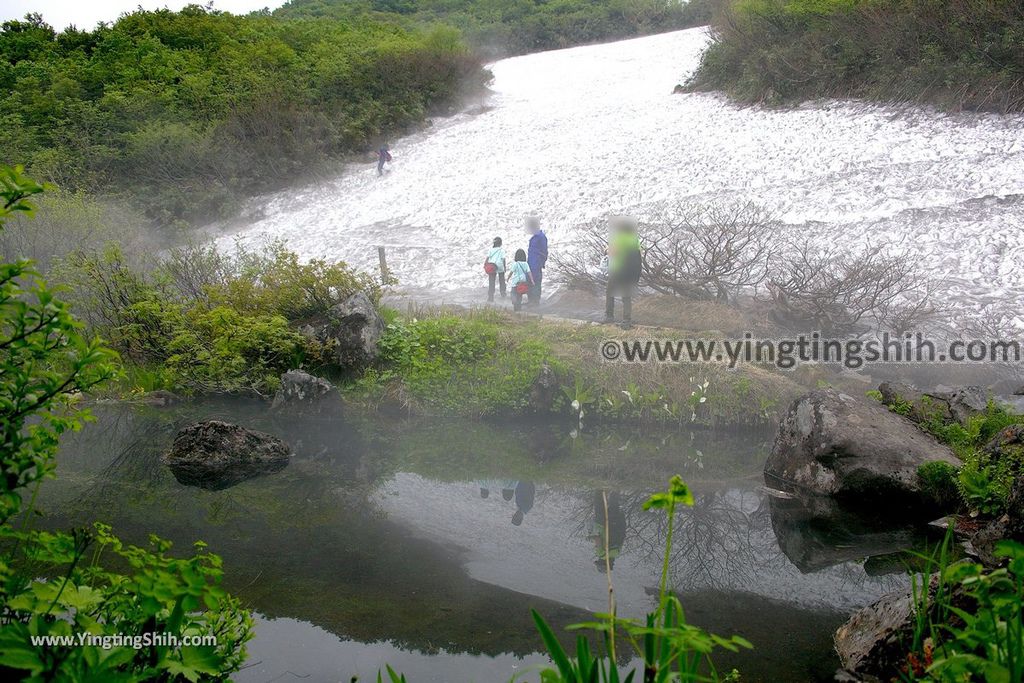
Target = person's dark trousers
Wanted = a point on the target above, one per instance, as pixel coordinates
(534, 293)
(517, 300)
(617, 286)
(380, 166)
(491, 279)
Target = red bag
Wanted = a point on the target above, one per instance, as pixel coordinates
(522, 288)
(490, 268)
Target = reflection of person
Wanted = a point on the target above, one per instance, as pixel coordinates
(624, 267)
(613, 532)
(524, 493)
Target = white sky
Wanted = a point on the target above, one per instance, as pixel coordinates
(86, 13)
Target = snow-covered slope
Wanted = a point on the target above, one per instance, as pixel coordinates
(579, 133)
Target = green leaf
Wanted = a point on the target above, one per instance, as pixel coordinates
(554, 648)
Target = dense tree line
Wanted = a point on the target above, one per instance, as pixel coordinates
(188, 111)
(505, 27)
(955, 54)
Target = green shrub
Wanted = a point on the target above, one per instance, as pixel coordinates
(961, 54)
(967, 619)
(158, 594)
(984, 482)
(202, 321)
(456, 364)
(186, 112)
(223, 350)
(939, 483)
(56, 585)
(276, 281)
(504, 28)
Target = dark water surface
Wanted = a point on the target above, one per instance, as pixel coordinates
(424, 543)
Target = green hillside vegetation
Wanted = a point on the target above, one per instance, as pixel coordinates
(186, 112)
(508, 27)
(954, 54)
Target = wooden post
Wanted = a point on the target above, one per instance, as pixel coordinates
(384, 274)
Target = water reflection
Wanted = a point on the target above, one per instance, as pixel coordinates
(609, 529)
(403, 532)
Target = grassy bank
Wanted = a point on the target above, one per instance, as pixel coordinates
(961, 54)
(486, 363)
(184, 113)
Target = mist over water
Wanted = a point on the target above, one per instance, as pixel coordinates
(580, 133)
(395, 541)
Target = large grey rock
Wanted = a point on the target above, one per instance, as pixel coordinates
(215, 455)
(350, 331)
(306, 393)
(1008, 442)
(831, 443)
(872, 644)
(959, 404)
(966, 402)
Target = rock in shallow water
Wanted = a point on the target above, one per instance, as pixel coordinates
(215, 455)
(833, 444)
(305, 393)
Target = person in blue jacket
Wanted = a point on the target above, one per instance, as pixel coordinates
(536, 258)
(383, 157)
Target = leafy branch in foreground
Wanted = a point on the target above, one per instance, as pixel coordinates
(968, 621)
(164, 618)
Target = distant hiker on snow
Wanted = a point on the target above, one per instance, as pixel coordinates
(625, 264)
(537, 258)
(494, 266)
(383, 157)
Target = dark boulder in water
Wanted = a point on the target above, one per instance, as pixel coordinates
(830, 443)
(216, 455)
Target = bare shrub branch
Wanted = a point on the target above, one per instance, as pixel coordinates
(833, 291)
(710, 251)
